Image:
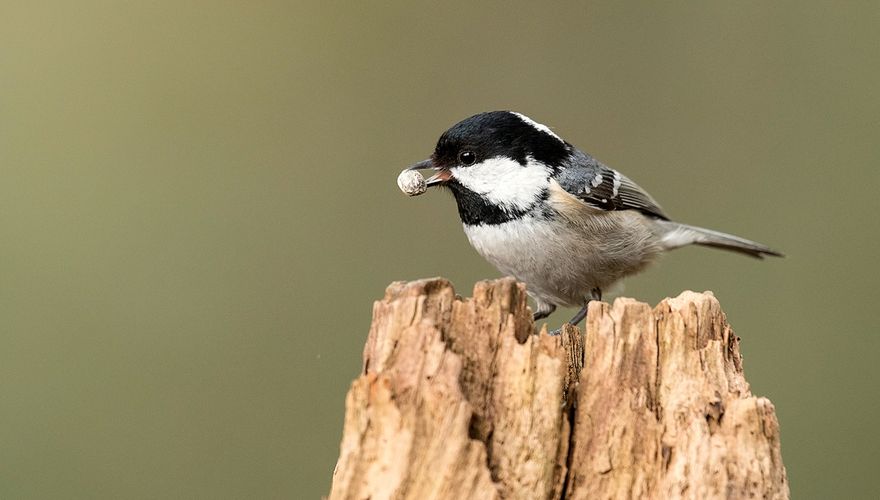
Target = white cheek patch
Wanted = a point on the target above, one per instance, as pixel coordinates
(538, 126)
(504, 182)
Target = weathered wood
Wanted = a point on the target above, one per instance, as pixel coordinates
(458, 399)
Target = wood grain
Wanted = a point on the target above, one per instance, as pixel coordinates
(459, 399)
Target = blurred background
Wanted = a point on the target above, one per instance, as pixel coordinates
(198, 207)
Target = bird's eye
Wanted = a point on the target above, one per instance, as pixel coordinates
(467, 158)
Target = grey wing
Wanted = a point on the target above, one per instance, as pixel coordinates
(604, 188)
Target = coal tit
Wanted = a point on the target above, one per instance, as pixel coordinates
(551, 215)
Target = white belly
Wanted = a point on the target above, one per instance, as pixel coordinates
(559, 262)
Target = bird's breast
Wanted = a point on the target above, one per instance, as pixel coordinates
(527, 248)
(561, 260)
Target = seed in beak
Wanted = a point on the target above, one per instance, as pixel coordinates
(411, 182)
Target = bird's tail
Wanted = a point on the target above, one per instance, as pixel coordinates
(678, 235)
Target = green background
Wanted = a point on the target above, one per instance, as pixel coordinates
(198, 207)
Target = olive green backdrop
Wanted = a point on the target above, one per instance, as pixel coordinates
(198, 207)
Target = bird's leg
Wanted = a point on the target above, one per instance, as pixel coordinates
(580, 315)
(595, 294)
(543, 311)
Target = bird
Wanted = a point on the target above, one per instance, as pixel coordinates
(553, 216)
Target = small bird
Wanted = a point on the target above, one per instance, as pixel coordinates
(551, 215)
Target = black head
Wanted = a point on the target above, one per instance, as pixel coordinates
(498, 134)
(497, 164)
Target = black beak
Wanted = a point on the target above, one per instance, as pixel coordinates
(441, 177)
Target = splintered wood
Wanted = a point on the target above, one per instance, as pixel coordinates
(458, 399)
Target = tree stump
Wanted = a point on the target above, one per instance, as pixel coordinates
(458, 399)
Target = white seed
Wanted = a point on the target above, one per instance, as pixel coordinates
(411, 183)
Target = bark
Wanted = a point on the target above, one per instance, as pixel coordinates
(458, 399)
